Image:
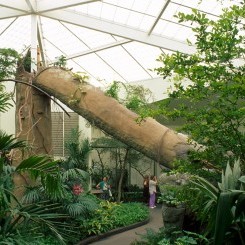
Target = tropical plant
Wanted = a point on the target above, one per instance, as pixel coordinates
(111, 215)
(77, 150)
(170, 236)
(169, 198)
(207, 91)
(14, 215)
(224, 206)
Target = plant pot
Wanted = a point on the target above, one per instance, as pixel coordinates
(173, 216)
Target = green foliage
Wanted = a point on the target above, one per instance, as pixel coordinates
(113, 90)
(45, 169)
(170, 236)
(112, 215)
(8, 62)
(228, 199)
(208, 90)
(169, 198)
(134, 97)
(40, 216)
(78, 151)
(61, 61)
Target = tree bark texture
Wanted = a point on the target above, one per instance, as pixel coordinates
(149, 137)
(33, 117)
(33, 125)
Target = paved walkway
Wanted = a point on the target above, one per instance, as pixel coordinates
(125, 238)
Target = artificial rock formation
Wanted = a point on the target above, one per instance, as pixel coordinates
(149, 137)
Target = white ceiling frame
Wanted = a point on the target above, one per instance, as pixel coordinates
(47, 5)
(10, 13)
(41, 41)
(74, 18)
(15, 5)
(32, 5)
(97, 49)
(6, 28)
(111, 67)
(159, 16)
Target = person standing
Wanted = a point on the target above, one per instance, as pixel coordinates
(146, 194)
(152, 191)
(104, 186)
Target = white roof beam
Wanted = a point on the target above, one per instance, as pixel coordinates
(47, 5)
(8, 26)
(97, 49)
(6, 13)
(15, 5)
(159, 16)
(32, 5)
(119, 30)
(41, 41)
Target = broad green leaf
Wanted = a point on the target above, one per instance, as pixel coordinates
(224, 216)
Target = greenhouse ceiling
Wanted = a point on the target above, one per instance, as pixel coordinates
(108, 39)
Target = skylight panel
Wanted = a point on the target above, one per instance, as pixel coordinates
(184, 33)
(100, 70)
(172, 10)
(154, 7)
(170, 30)
(5, 23)
(94, 9)
(135, 19)
(51, 51)
(141, 5)
(146, 55)
(126, 66)
(108, 12)
(146, 23)
(121, 16)
(18, 35)
(123, 3)
(89, 37)
(58, 34)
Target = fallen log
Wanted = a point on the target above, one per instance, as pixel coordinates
(149, 137)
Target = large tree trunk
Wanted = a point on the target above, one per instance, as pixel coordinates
(149, 137)
(33, 125)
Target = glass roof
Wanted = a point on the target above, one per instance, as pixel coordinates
(110, 39)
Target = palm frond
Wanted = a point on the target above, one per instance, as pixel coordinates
(48, 171)
(33, 194)
(9, 142)
(4, 101)
(84, 206)
(75, 173)
(43, 214)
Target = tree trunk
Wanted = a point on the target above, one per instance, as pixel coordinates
(33, 125)
(149, 137)
(122, 173)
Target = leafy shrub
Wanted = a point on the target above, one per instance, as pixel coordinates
(170, 236)
(112, 215)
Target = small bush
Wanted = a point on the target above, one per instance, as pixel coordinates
(112, 215)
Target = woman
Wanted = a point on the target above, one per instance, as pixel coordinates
(146, 190)
(104, 186)
(152, 191)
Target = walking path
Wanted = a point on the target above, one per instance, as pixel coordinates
(126, 237)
